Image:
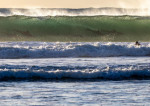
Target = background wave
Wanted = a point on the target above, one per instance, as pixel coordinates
(78, 29)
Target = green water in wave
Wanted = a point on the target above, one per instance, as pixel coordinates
(81, 28)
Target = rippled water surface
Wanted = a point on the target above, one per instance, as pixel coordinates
(86, 93)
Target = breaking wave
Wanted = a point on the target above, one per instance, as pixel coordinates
(9, 50)
(119, 72)
(76, 29)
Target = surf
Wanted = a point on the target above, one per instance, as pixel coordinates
(114, 72)
(15, 50)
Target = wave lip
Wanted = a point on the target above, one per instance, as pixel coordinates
(57, 50)
(73, 12)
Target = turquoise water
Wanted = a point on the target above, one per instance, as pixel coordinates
(75, 28)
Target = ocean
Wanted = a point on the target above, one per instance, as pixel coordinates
(75, 57)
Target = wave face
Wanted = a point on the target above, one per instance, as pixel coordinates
(73, 12)
(9, 50)
(79, 71)
(76, 29)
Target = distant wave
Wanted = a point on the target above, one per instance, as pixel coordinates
(55, 50)
(77, 29)
(73, 12)
(120, 72)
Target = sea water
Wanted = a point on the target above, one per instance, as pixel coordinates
(74, 93)
(62, 74)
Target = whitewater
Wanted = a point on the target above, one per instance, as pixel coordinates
(40, 12)
(74, 60)
(17, 50)
(130, 68)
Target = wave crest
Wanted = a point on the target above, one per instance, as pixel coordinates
(73, 12)
(122, 72)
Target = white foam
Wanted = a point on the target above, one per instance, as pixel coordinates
(74, 12)
(55, 50)
(111, 73)
(110, 68)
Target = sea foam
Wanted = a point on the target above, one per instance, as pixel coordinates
(74, 12)
(9, 50)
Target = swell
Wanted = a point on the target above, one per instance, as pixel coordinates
(79, 28)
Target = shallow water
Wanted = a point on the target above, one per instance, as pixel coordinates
(85, 93)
